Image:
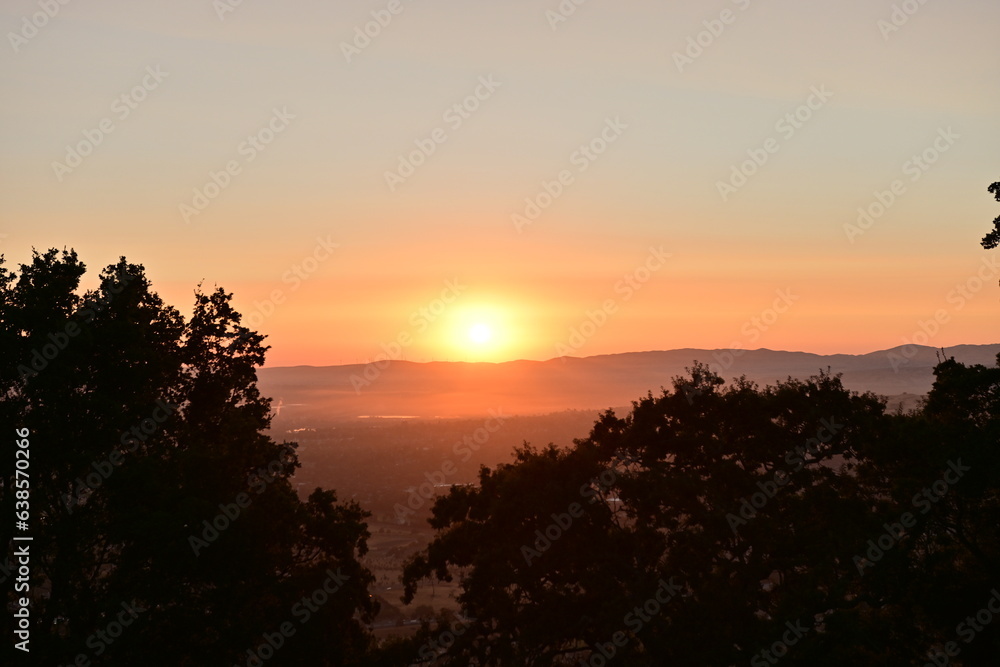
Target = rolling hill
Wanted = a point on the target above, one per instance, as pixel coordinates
(460, 389)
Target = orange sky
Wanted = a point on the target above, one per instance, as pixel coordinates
(333, 246)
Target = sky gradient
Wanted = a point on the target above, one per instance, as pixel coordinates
(251, 151)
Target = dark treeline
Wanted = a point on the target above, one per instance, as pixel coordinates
(715, 524)
(165, 530)
(731, 524)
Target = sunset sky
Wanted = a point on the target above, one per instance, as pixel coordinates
(117, 116)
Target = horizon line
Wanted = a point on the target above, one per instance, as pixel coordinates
(616, 354)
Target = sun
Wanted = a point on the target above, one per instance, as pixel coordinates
(478, 330)
(480, 333)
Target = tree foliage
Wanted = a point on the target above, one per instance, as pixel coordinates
(992, 240)
(714, 524)
(757, 506)
(155, 486)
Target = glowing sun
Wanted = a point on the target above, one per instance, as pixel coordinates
(480, 333)
(477, 331)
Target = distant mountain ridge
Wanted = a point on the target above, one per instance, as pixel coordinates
(463, 389)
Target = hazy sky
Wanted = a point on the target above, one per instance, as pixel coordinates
(697, 165)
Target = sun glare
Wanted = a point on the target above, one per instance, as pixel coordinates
(480, 333)
(477, 331)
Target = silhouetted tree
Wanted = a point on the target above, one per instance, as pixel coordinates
(739, 506)
(760, 515)
(992, 240)
(155, 486)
